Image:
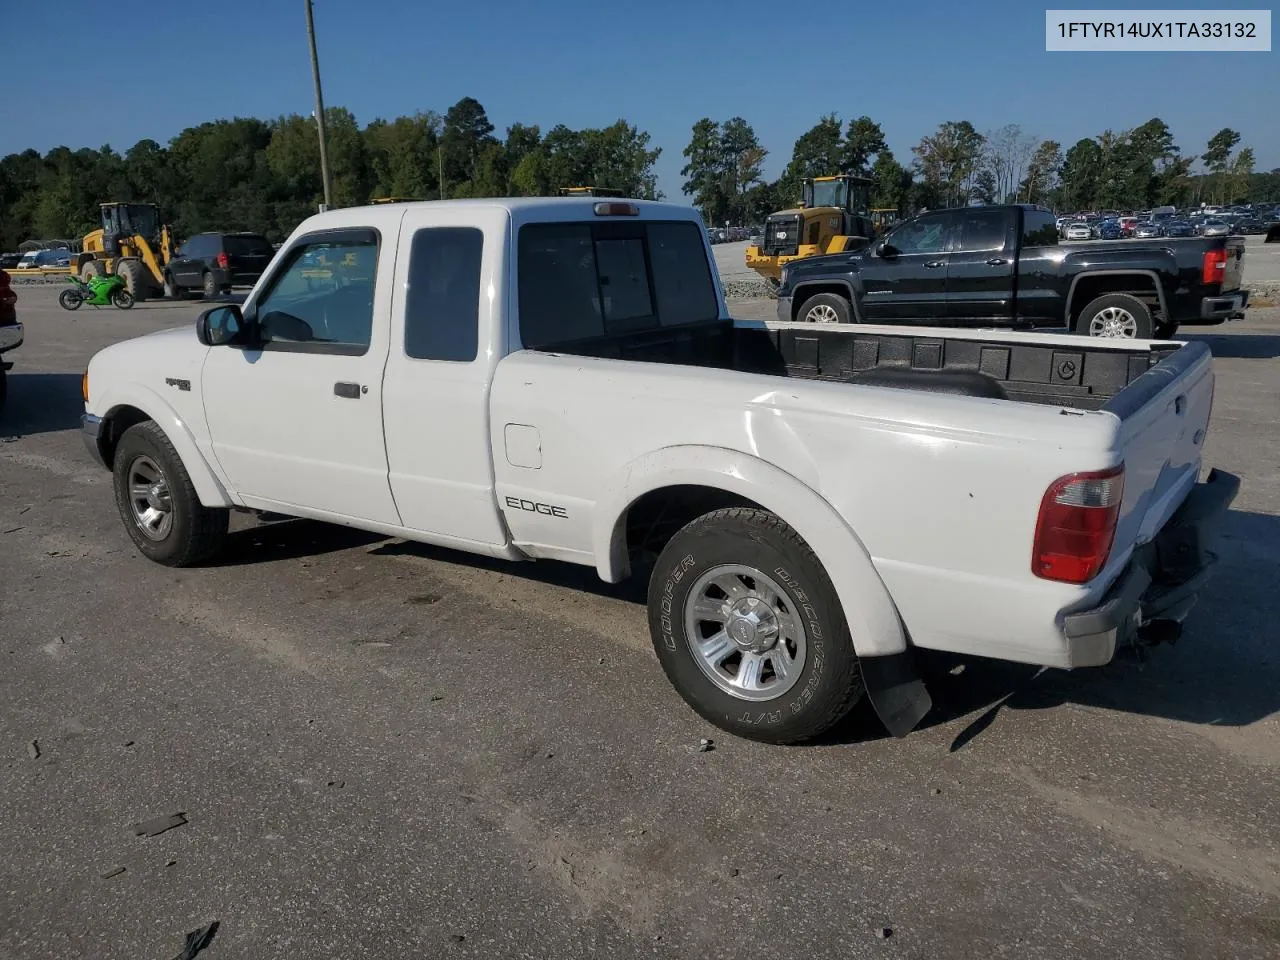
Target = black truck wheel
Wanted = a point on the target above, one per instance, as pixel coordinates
(1116, 315)
(825, 308)
(749, 630)
(158, 503)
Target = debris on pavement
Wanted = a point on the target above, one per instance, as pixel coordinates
(197, 940)
(884, 933)
(457, 938)
(158, 825)
(13, 530)
(436, 696)
(33, 749)
(113, 872)
(706, 744)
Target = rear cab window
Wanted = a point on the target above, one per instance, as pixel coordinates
(583, 280)
(982, 231)
(246, 246)
(1039, 229)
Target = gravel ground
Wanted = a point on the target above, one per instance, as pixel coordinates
(384, 750)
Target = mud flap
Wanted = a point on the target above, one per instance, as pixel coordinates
(896, 691)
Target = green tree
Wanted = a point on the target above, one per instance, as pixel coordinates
(467, 134)
(703, 170)
(817, 153)
(892, 183)
(1218, 159)
(741, 158)
(402, 156)
(1080, 175)
(949, 161)
(863, 141)
(1042, 172)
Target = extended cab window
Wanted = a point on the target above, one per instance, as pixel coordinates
(926, 234)
(442, 306)
(982, 230)
(584, 280)
(1039, 229)
(322, 301)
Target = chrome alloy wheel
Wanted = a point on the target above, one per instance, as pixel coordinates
(149, 498)
(744, 633)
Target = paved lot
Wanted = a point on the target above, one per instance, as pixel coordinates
(389, 751)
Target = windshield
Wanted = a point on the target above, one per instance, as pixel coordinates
(830, 193)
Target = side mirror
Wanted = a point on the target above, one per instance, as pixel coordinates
(220, 326)
(886, 250)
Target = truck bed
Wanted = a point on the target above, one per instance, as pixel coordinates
(1064, 370)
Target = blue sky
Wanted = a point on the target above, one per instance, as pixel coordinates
(662, 65)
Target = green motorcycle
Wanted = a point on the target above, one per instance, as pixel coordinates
(98, 291)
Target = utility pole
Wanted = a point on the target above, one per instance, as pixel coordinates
(315, 75)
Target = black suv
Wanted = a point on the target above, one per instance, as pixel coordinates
(214, 262)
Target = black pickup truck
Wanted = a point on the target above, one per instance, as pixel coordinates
(1002, 266)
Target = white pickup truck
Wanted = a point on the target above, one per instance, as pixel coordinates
(535, 378)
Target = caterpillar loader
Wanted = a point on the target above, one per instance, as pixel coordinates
(132, 244)
(834, 216)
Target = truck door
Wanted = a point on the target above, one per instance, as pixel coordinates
(981, 266)
(446, 339)
(908, 282)
(297, 419)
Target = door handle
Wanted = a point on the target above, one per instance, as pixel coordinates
(349, 391)
(997, 262)
(932, 264)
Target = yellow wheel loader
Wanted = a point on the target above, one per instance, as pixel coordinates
(834, 216)
(590, 192)
(132, 244)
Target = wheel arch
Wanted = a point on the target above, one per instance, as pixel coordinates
(125, 409)
(869, 611)
(1097, 283)
(842, 288)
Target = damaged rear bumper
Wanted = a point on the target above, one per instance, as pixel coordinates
(1156, 591)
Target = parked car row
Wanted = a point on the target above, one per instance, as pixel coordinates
(731, 234)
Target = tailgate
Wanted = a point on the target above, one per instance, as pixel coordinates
(1235, 264)
(1164, 415)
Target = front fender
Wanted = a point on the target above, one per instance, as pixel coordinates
(207, 479)
(868, 609)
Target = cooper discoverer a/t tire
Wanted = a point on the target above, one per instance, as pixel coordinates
(749, 630)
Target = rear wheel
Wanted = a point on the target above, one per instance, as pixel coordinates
(209, 285)
(1117, 315)
(70, 299)
(749, 630)
(826, 308)
(122, 299)
(158, 503)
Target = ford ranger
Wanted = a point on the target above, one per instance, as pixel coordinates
(560, 379)
(1003, 266)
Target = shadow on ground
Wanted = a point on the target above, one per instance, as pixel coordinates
(41, 403)
(1224, 671)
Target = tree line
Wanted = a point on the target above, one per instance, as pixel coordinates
(264, 175)
(957, 165)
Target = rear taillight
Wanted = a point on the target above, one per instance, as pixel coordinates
(1077, 525)
(222, 261)
(1214, 267)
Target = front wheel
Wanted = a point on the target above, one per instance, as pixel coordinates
(122, 299)
(749, 630)
(158, 503)
(1117, 315)
(70, 299)
(826, 308)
